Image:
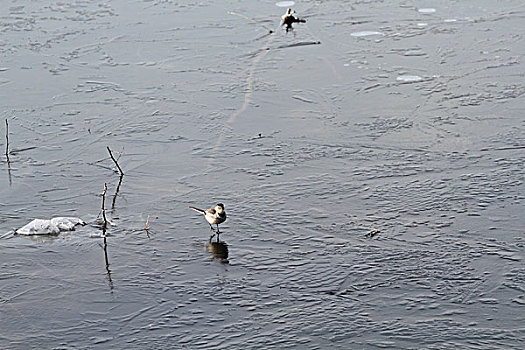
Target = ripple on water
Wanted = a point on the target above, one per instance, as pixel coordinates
(426, 10)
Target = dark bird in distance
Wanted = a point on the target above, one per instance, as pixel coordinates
(288, 18)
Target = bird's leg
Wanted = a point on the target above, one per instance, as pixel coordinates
(211, 228)
(218, 228)
(218, 234)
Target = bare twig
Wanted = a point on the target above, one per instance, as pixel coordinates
(116, 163)
(372, 233)
(116, 192)
(104, 209)
(120, 154)
(7, 152)
(146, 227)
(7, 140)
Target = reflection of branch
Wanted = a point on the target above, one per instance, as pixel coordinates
(108, 271)
(104, 227)
(116, 192)
(9, 171)
(114, 160)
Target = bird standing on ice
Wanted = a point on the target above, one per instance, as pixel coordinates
(288, 18)
(214, 216)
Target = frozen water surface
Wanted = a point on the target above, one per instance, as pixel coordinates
(363, 212)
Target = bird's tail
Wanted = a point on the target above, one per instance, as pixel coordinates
(197, 209)
(300, 20)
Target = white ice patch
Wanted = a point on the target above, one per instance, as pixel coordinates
(365, 33)
(426, 10)
(409, 78)
(285, 3)
(49, 227)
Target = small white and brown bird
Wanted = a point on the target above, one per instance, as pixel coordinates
(288, 18)
(214, 216)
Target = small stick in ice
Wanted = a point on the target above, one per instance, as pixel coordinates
(114, 160)
(116, 192)
(7, 151)
(146, 227)
(7, 140)
(372, 233)
(104, 209)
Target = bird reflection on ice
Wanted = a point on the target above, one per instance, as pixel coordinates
(218, 250)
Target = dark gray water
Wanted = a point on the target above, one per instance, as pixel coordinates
(380, 207)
